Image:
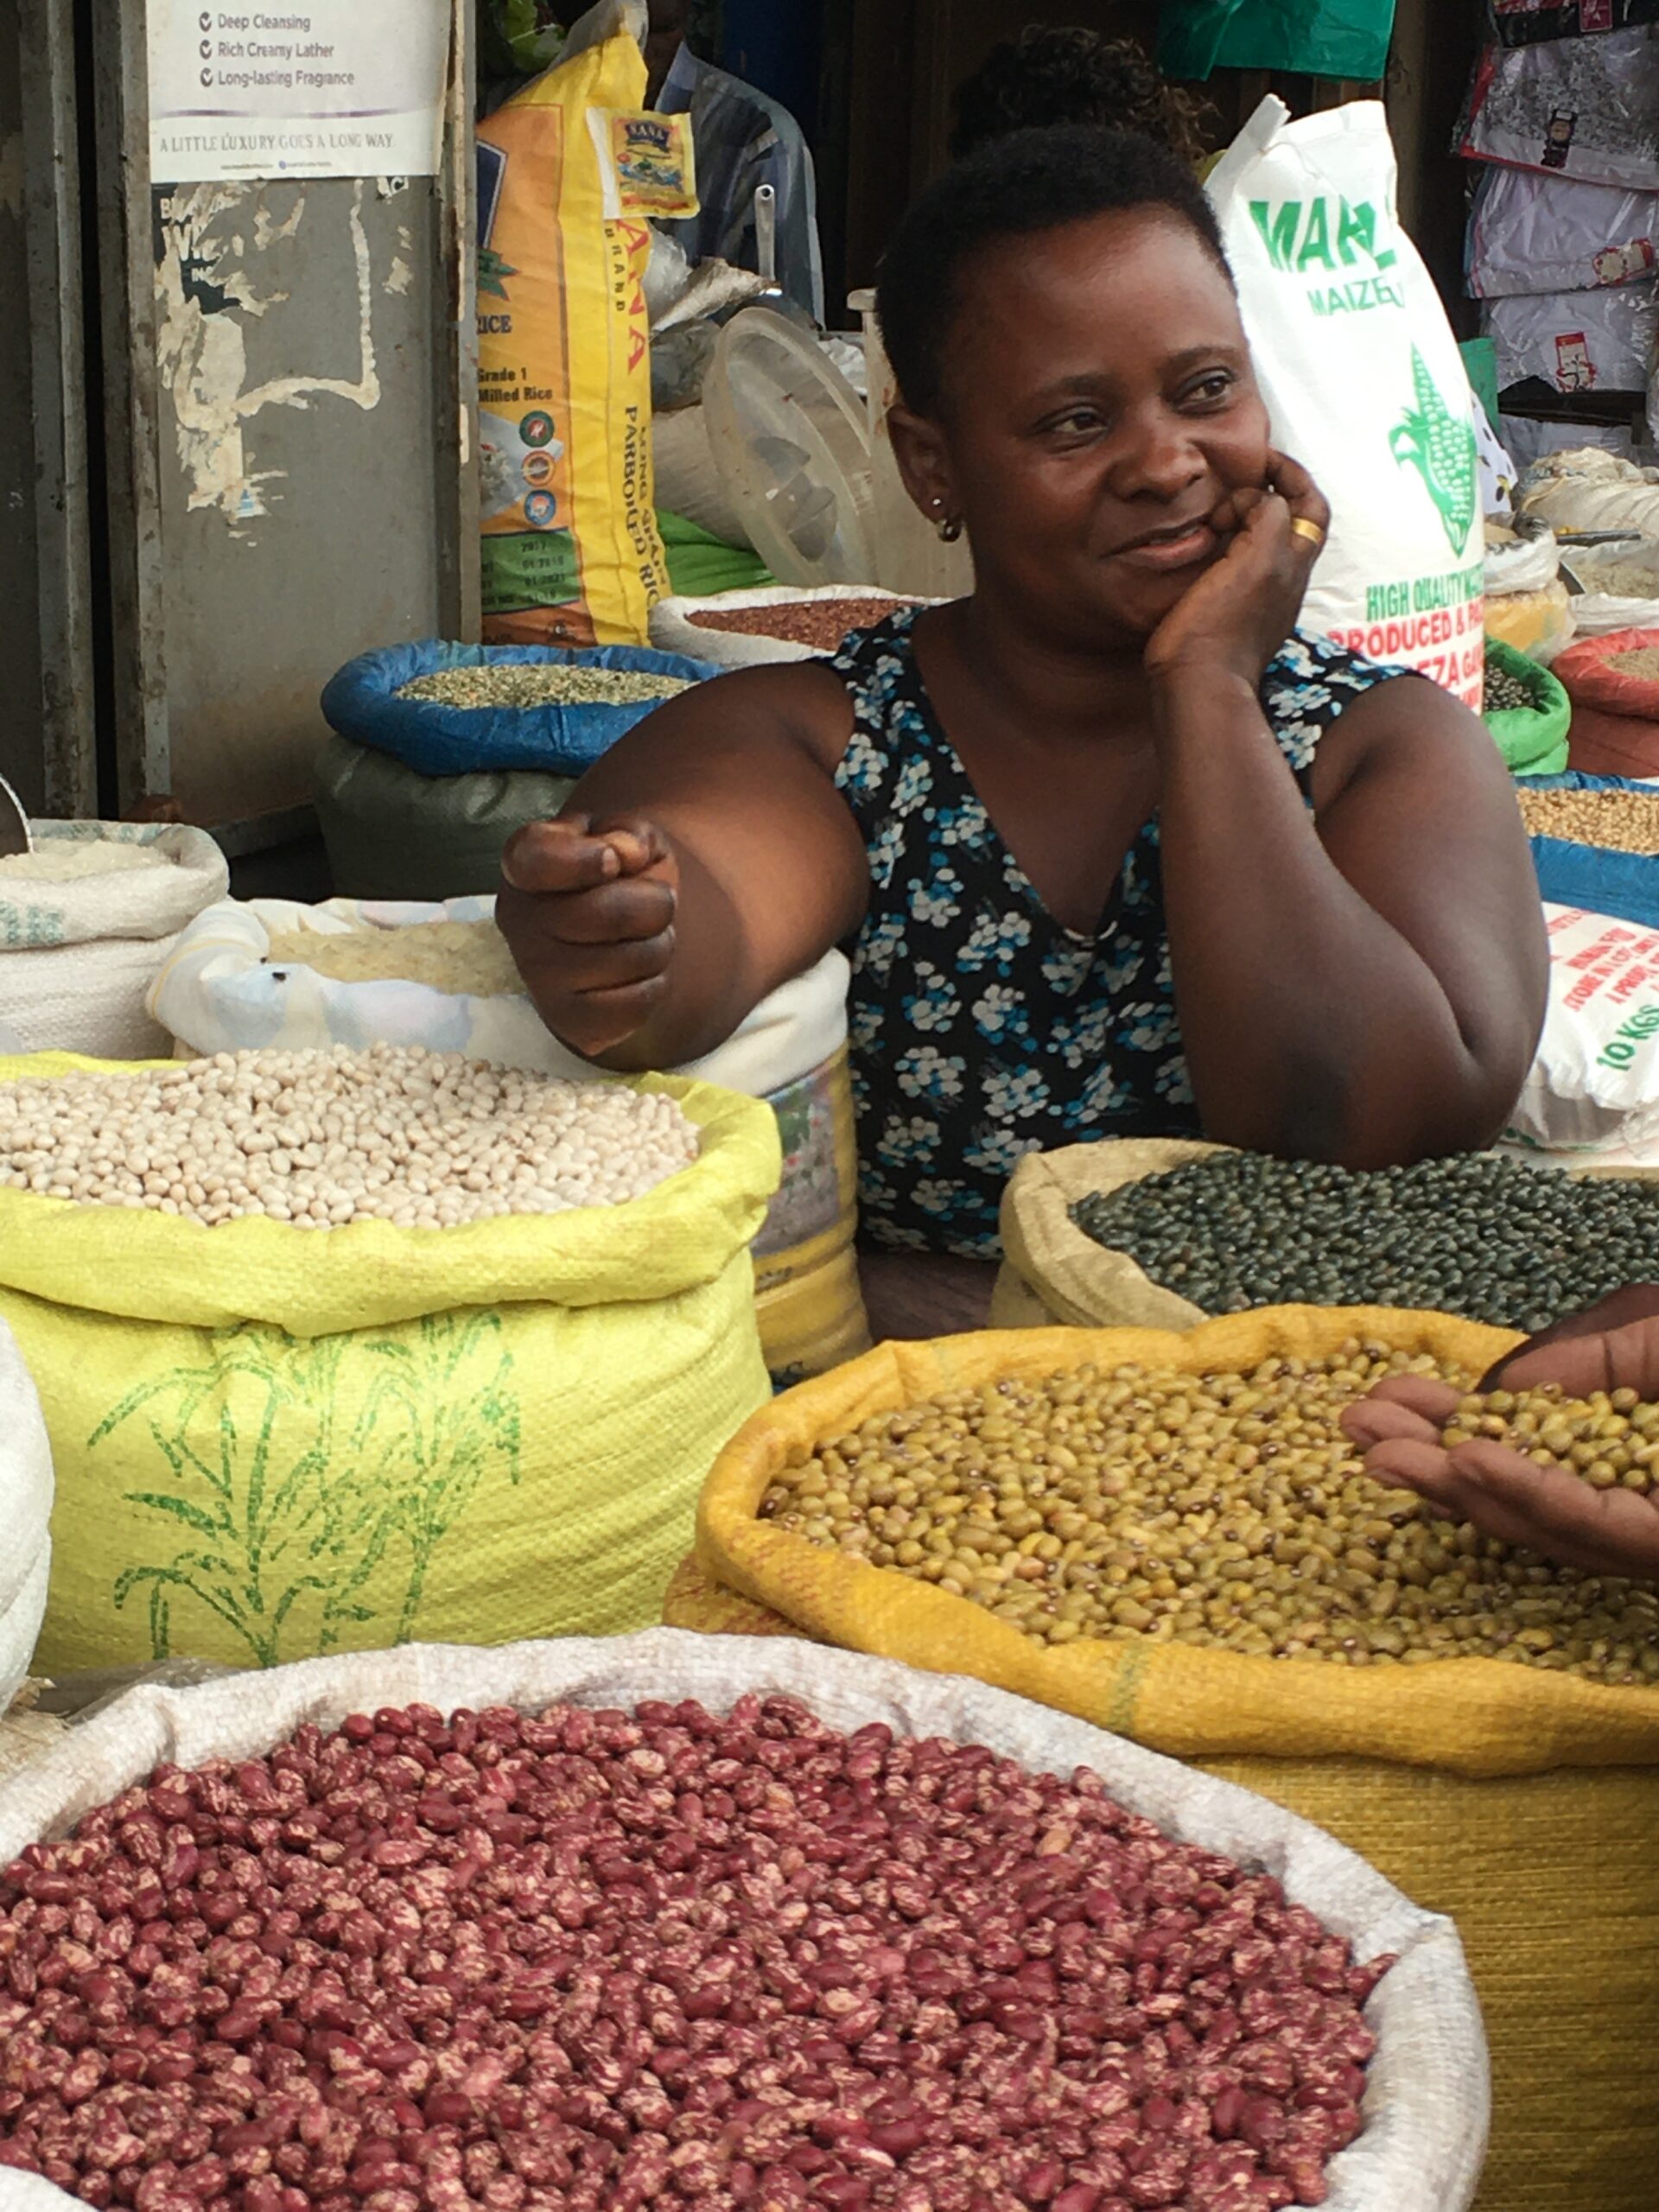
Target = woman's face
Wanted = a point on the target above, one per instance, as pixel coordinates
(1099, 407)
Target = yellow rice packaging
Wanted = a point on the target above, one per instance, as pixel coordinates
(570, 170)
(1522, 1802)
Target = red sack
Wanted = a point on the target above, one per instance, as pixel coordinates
(1614, 688)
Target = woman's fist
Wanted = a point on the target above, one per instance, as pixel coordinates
(588, 907)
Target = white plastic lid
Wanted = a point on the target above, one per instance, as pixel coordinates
(790, 441)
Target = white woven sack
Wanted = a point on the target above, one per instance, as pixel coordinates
(215, 994)
(672, 630)
(1594, 1080)
(25, 1517)
(1426, 2100)
(1599, 613)
(77, 959)
(1583, 487)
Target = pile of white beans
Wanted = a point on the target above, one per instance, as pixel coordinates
(321, 1139)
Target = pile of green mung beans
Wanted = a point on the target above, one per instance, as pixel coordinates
(1488, 1239)
(541, 683)
(1226, 1509)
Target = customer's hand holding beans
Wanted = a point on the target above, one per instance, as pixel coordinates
(1613, 1346)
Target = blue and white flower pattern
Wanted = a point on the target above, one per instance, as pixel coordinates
(982, 1029)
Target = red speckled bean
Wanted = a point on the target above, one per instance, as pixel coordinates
(608, 1962)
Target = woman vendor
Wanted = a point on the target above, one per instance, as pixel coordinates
(1114, 848)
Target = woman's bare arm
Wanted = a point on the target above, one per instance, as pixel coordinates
(706, 860)
(1366, 987)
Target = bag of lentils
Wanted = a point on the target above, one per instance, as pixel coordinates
(1527, 711)
(1169, 1234)
(477, 1405)
(1519, 1794)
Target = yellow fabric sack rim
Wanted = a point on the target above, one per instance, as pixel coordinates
(1468, 1716)
(143, 1266)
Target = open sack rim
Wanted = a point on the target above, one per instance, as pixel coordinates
(143, 1266)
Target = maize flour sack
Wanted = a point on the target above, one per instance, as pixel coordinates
(571, 551)
(1364, 383)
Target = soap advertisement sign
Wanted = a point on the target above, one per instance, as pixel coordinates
(322, 88)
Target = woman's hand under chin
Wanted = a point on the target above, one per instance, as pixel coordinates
(1242, 608)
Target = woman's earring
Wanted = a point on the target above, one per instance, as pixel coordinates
(950, 529)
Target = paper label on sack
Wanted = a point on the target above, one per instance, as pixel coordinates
(322, 88)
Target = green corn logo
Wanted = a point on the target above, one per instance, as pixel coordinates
(1440, 446)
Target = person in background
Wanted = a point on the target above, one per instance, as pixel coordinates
(1065, 74)
(1611, 1346)
(1115, 849)
(742, 140)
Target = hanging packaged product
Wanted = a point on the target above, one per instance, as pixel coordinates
(570, 173)
(1577, 341)
(1335, 298)
(1583, 108)
(1525, 22)
(1531, 233)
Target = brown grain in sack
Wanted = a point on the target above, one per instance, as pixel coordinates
(1523, 1804)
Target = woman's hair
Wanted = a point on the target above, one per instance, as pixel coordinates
(1052, 74)
(1034, 181)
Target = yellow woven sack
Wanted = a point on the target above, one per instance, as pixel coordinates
(807, 1288)
(271, 1442)
(1053, 1273)
(1525, 1804)
(569, 175)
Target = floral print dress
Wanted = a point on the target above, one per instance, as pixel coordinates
(982, 1029)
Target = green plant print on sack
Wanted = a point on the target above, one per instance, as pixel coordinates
(1440, 446)
(310, 1484)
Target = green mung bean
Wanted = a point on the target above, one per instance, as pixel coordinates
(541, 683)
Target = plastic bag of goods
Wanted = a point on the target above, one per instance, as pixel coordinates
(1335, 298)
(85, 920)
(1586, 109)
(1527, 606)
(1530, 439)
(394, 833)
(1319, 38)
(1586, 488)
(1527, 710)
(450, 709)
(440, 974)
(25, 1513)
(1370, 1991)
(1533, 233)
(569, 175)
(478, 1402)
(1618, 586)
(741, 629)
(1576, 341)
(1613, 683)
(1458, 1774)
